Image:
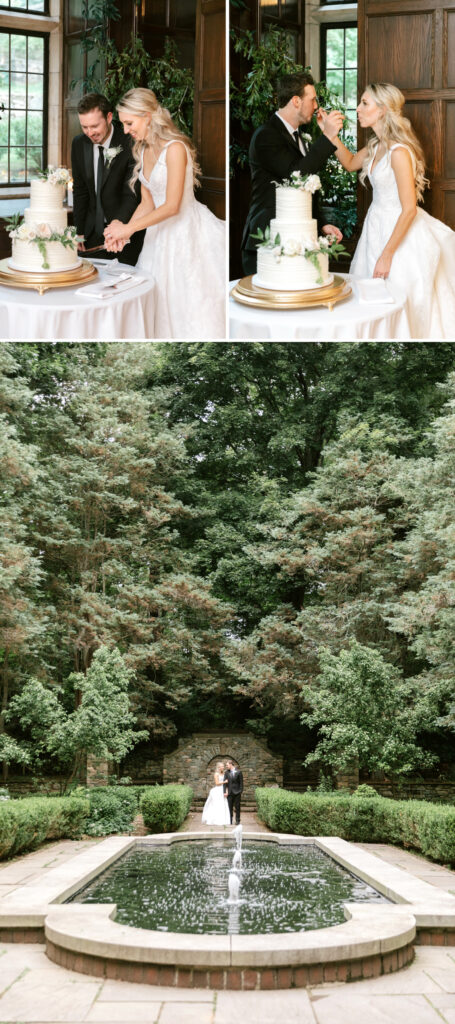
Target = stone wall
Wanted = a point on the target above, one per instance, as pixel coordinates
(98, 771)
(196, 757)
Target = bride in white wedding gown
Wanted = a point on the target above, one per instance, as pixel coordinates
(216, 808)
(400, 242)
(184, 245)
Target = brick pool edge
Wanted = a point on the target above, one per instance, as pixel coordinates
(374, 940)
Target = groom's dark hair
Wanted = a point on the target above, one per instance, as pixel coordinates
(292, 85)
(94, 101)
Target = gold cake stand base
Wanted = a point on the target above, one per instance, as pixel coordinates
(42, 282)
(265, 298)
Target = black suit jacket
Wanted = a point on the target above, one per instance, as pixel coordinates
(233, 784)
(273, 155)
(119, 201)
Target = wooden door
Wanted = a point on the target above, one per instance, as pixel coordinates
(411, 43)
(209, 102)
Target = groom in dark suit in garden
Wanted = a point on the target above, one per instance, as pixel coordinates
(277, 149)
(233, 789)
(102, 164)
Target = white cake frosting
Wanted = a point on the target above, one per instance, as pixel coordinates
(297, 231)
(27, 256)
(44, 216)
(46, 205)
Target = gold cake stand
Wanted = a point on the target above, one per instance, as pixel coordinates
(265, 298)
(42, 282)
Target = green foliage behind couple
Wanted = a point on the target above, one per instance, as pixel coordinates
(259, 534)
(253, 101)
(113, 72)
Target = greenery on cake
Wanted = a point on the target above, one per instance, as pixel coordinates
(326, 244)
(303, 182)
(40, 235)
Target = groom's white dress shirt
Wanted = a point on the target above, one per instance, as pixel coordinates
(291, 130)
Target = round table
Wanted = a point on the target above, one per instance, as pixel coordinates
(347, 321)
(62, 314)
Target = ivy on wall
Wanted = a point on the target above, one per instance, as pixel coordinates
(113, 72)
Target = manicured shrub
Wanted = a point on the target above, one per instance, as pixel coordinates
(417, 824)
(25, 824)
(364, 790)
(164, 808)
(112, 809)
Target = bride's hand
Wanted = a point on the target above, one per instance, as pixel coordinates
(114, 246)
(116, 232)
(383, 265)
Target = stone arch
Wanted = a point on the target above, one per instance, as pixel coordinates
(195, 758)
(211, 767)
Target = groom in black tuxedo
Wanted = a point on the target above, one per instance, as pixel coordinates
(233, 789)
(277, 149)
(102, 164)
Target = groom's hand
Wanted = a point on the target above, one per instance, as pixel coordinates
(116, 231)
(331, 229)
(330, 124)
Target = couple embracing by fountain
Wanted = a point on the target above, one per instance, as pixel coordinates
(224, 798)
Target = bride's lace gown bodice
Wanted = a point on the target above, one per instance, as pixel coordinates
(186, 255)
(422, 264)
(156, 183)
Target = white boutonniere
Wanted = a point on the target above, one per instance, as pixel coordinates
(110, 154)
(304, 135)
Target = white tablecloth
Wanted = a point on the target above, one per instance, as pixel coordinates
(348, 321)
(61, 314)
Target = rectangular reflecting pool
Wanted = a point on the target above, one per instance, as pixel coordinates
(184, 887)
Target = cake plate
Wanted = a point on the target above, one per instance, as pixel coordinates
(42, 282)
(252, 295)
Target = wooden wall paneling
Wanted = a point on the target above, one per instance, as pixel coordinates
(210, 102)
(411, 43)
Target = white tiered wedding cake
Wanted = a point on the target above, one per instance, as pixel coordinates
(290, 254)
(43, 242)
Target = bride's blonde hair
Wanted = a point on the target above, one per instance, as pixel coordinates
(395, 128)
(143, 103)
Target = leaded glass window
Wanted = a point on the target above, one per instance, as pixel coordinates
(27, 6)
(23, 89)
(339, 66)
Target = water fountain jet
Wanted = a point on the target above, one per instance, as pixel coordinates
(237, 859)
(234, 886)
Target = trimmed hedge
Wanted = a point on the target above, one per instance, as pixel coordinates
(112, 809)
(26, 823)
(164, 808)
(423, 826)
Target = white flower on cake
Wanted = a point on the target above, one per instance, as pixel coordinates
(312, 183)
(44, 230)
(291, 247)
(111, 153)
(55, 175)
(304, 182)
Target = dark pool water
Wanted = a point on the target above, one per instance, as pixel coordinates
(184, 888)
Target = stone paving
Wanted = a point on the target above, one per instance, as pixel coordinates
(35, 991)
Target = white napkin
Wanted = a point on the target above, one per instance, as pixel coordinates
(108, 289)
(373, 289)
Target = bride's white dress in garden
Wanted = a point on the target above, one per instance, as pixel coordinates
(423, 265)
(216, 808)
(186, 255)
